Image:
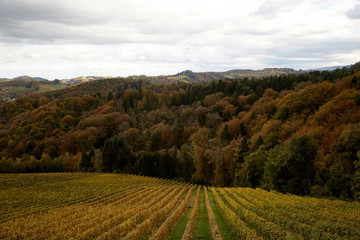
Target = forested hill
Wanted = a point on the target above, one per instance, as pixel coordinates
(11, 89)
(24, 85)
(297, 133)
(195, 77)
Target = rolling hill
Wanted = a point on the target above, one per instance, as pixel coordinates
(295, 133)
(25, 85)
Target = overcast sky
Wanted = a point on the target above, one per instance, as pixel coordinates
(70, 38)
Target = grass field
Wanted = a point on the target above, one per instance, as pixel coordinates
(119, 206)
(50, 87)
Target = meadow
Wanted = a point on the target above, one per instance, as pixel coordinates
(122, 206)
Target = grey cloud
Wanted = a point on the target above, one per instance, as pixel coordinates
(43, 32)
(50, 21)
(307, 63)
(204, 35)
(49, 11)
(23, 24)
(273, 7)
(56, 22)
(316, 49)
(354, 13)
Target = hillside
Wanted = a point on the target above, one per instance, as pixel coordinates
(15, 88)
(25, 85)
(296, 133)
(194, 77)
(189, 76)
(82, 79)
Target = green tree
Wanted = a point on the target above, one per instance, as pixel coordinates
(110, 96)
(283, 113)
(179, 134)
(354, 82)
(356, 179)
(203, 171)
(6, 165)
(289, 166)
(219, 178)
(46, 163)
(116, 154)
(255, 167)
(85, 163)
(271, 140)
(300, 164)
(225, 135)
(186, 167)
(165, 164)
(154, 141)
(240, 153)
(275, 172)
(146, 164)
(259, 142)
(344, 171)
(34, 165)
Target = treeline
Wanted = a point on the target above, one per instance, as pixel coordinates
(291, 133)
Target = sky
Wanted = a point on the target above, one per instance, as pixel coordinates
(71, 38)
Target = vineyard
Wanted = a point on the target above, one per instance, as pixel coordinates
(120, 206)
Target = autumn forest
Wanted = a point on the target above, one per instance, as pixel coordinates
(293, 133)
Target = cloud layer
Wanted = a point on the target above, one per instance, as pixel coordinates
(61, 39)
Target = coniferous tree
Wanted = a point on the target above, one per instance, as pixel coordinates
(179, 134)
(300, 164)
(255, 167)
(239, 157)
(258, 143)
(110, 96)
(116, 154)
(225, 135)
(85, 161)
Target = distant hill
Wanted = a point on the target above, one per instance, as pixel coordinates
(28, 79)
(26, 85)
(332, 68)
(194, 77)
(79, 80)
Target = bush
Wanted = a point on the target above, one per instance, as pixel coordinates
(320, 191)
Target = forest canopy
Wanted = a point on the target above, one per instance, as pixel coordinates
(296, 133)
